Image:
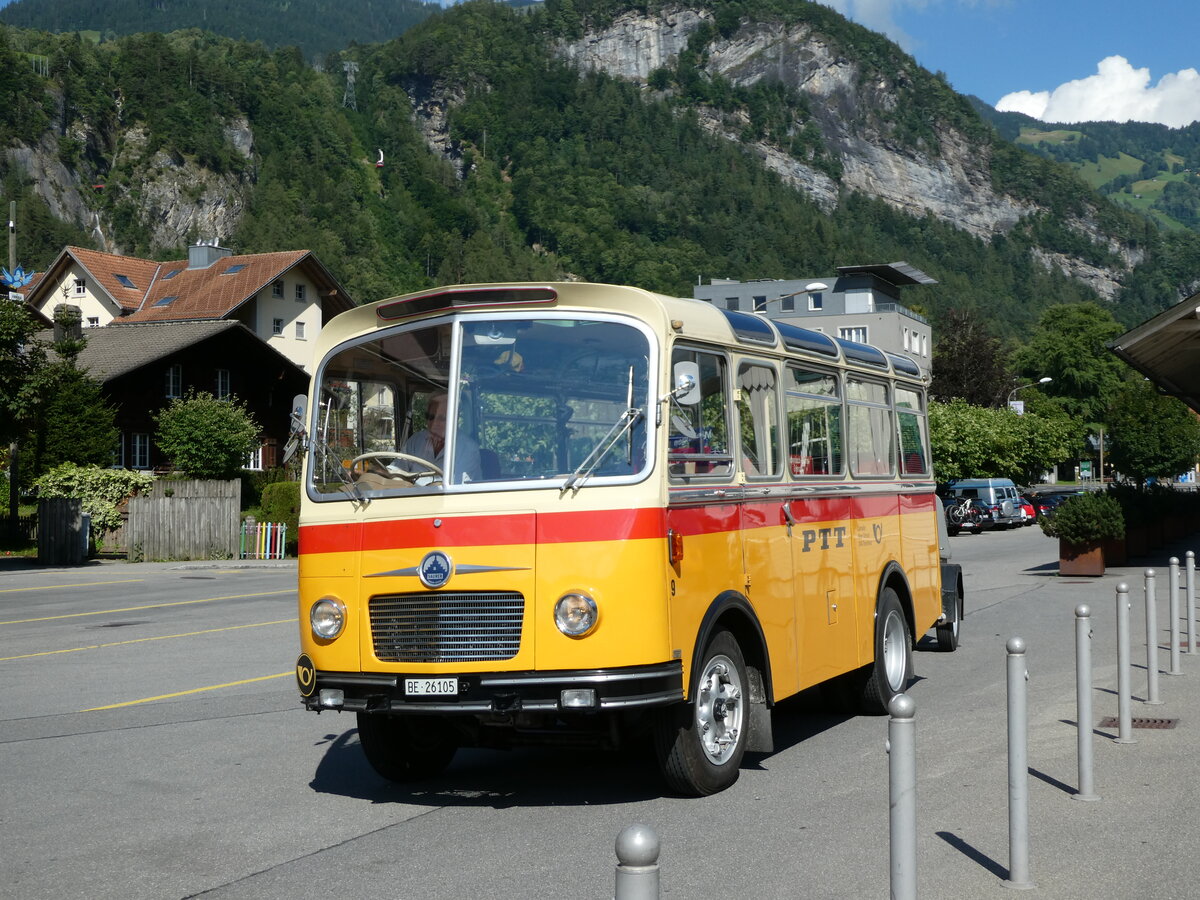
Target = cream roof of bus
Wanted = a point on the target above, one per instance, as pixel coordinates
(684, 316)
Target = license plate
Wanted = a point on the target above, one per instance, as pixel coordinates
(431, 687)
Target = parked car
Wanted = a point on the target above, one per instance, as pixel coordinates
(962, 515)
(989, 516)
(1000, 495)
(1029, 511)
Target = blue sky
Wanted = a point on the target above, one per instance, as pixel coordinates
(1043, 57)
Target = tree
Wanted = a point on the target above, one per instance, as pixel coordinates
(74, 424)
(206, 437)
(1069, 345)
(968, 361)
(1150, 434)
(975, 441)
(22, 369)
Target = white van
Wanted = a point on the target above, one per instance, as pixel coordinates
(1000, 494)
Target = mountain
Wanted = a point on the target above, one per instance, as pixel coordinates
(315, 26)
(650, 145)
(1149, 168)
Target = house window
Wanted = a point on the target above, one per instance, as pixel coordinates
(760, 304)
(125, 281)
(815, 302)
(788, 304)
(254, 461)
(277, 289)
(299, 331)
(233, 270)
(731, 303)
(224, 383)
(80, 287)
(93, 321)
(855, 333)
(174, 383)
(277, 326)
(139, 451)
(908, 340)
(300, 292)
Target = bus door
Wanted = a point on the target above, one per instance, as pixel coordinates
(820, 512)
(766, 550)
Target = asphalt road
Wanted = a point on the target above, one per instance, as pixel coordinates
(152, 745)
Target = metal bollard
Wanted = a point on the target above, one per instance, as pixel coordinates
(1124, 718)
(1151, 640)
(1018, 768)
(1190, 579)
(637, 864)
(902, 796)
(1083, 700)
(1173, 612)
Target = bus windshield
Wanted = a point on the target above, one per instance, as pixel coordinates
(532, 401)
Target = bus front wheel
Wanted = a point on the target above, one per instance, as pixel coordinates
(700, 746)
(893, 667)
(405, 748)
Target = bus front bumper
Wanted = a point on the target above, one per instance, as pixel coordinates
(491, 693)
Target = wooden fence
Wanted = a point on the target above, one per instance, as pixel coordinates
(185, 520)
(62, 532)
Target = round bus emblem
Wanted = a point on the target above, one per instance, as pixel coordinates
(435, 569)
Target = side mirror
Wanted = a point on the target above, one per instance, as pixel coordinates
(687, 383)
(299, 413)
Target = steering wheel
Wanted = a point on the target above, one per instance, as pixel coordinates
(427, 468)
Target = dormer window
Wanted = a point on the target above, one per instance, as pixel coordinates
(125, 281)
(234, 269)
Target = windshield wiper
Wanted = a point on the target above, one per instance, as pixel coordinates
(620, 428)
(628, 419)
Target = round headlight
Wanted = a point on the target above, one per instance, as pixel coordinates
(575, 614)
(327, 617)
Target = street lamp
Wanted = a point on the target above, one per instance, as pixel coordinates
(810, 288)
(1013, 393)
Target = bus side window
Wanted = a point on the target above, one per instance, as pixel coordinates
(698, 434)
(758, 420)
(814, 422)
(910, 417)
(870, 430)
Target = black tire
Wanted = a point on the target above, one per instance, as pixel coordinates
(700, 745)
(951, 530)
(405, 748)
(892, 670)
(947, 635)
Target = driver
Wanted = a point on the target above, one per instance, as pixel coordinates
(430, 443)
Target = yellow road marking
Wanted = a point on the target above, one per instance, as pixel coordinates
(105, 612)
(59, 587)
(212, 687)
(161, 637)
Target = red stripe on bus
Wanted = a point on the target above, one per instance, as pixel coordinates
(486, 531)
(602, 525)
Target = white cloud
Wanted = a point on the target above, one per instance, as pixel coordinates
(1116, 93)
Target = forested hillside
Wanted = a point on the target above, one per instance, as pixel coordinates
(315, 26)
(1149, 168)
(504, 158)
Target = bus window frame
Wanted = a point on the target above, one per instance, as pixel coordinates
(725, 355)
(922, 416)
(888, 383)
(836, 374)
(776, 441)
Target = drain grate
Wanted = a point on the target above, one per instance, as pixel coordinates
(1111, 722)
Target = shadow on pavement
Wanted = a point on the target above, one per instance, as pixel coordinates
(975, 855)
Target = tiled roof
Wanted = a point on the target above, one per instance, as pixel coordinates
(214, 291)
(113, 352)
(149, 291)
(105, 267)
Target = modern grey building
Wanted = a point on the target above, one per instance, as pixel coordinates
(861, 304)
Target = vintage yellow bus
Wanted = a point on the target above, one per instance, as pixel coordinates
(591, 514)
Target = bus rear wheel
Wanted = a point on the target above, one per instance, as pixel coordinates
(892, 670)
(405, 748)
(700, 746)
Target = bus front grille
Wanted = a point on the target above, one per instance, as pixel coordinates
(446, 626)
